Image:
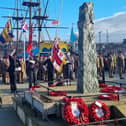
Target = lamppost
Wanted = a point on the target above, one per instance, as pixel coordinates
(100, 45)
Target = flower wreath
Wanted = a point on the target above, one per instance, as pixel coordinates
(35, 86)
(113, 97)
(75, 111)
(57, 93)
(103, 85)
(112, 89)
(99, 111)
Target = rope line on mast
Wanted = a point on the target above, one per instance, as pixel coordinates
(59, 17)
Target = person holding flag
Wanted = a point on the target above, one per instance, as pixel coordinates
(55, 61)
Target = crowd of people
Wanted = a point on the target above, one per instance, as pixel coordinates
(112, 63)
(15, 70)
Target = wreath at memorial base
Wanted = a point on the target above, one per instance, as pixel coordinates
(99, 111)
(102, 85)
(112, 89)
(57, 93)
(113, 97)
(35, 86)
(75, 111)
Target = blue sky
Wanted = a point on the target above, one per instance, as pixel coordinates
(68, 10)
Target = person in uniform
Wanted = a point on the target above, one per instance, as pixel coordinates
(100, 65)
(31, 72)
(76, 57)
(111, 64)
(114, 63)
(68, 69)
(12, 72)
(4, 67)
(120, 64)
(22, 74)
(50, 70)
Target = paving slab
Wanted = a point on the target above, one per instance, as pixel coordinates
(8, 117)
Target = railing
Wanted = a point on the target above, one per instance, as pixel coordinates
(115, 121)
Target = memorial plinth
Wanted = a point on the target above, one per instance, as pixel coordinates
(87, 71)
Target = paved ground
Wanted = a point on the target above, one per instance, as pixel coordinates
(5, 89)
(8, 117)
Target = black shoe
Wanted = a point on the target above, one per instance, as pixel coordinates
(13, 91)
(121, 77)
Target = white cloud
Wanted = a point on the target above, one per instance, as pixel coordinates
(116, 26)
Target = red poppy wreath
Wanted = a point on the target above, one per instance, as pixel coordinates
(112, 89)
(103, 85)
(75, 111)
(99, 111)
(57, 93)
(113, 97)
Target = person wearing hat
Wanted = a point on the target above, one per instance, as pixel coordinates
(100, 65)
(31, 72)
(120, 64)
(68, 68)
(4, 67)
(22, 72)
(50, 70)
(111, 64)
(12, 72)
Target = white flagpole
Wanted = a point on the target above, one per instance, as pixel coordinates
(24, 45)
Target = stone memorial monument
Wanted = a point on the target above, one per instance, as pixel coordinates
(87, 72)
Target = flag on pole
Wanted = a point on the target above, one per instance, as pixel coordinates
(55, 22)
(58, 57)
(7, 33)
(24, 26)
(29, 47)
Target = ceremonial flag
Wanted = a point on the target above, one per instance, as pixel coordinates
(7, 33)
(24, 26)
(29, 47)
(58, 57)
(55, 22)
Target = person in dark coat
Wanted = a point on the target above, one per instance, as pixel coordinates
(36, 68)
(12, 72)
(31, 72)
(68, 69)
(18, 70)
(50, 70)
